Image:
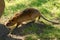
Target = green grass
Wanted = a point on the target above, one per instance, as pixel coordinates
(50, 9)
(40, 32)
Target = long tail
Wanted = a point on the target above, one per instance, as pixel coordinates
(48, 20)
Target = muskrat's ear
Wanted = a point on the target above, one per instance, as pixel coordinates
(2, 6)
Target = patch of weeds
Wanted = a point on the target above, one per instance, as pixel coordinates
(32, 37)
(38, 2)
(50, 32)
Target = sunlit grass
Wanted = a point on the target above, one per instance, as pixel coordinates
(50, 9)
(13, 3)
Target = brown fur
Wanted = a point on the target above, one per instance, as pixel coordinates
(26, 15)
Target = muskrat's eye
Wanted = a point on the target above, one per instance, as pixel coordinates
(12, 20)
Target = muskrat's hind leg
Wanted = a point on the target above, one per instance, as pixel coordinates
(37, 19)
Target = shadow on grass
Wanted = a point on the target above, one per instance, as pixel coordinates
(29, 29)
(41, 29)
(38, 30)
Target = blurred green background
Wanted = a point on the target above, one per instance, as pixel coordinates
(49, 8)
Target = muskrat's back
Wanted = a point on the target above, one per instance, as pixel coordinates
(28, 14)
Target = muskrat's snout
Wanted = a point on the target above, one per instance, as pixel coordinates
(8, 24)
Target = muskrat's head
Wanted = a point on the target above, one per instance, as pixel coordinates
(10, 23)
